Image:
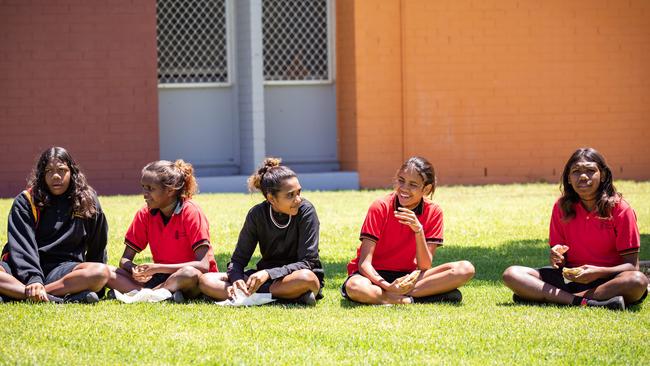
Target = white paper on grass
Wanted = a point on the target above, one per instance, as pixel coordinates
(241, 299)
(144, 295)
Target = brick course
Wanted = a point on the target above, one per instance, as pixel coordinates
(81, 75)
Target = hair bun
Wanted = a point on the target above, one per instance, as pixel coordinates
(268, 164)
(255, 180)
(186, 168)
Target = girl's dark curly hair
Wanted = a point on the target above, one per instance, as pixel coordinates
(606, 197)
(81, 194)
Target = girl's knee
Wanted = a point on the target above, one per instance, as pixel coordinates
(305, 275)
(209, 279)
(98, 271)
(509, 274)
(638, 280)
(512, 274)
(308, 278)
(97, 274)
(355, 286)
(188, 272)
(465, 269)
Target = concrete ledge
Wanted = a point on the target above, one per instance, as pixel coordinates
(326, 181)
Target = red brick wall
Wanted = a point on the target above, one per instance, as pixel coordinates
(372, 68)
(82, 75)
(501, 91)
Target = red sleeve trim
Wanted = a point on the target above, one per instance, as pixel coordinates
(199, 244)
(629, 251)
(369, 237)
(132, 246)
(434, 241)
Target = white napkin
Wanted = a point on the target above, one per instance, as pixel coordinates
(241, 299)
(144, 295)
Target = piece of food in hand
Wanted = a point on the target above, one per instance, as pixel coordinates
(562, 249)
(410, 279)
(571, 271)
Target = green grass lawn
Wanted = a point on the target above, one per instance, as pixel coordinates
(491, 226)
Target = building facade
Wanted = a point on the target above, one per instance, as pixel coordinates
(490, 91)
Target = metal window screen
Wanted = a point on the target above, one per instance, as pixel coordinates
(192, 45)
(295, 40)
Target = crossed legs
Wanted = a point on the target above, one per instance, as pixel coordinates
(436, 280)
(527, 283)
(85, 276)
(288, 287)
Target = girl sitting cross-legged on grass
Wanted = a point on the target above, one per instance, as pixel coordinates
(286, 227)
(399, 238)
(57, 233)
(594, 243)
(176, 231)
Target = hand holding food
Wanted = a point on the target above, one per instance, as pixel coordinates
(571, 273)
(142, 273)
(409, 280)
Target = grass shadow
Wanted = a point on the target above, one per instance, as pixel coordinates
(488, 262)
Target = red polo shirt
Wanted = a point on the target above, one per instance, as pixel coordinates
(175, 242)
(594, 240)
(395, 242)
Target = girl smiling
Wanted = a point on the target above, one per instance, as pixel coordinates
(400, 235)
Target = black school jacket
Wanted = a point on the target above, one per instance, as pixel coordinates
(34, 250)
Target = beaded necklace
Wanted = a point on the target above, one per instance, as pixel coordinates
(275, 222)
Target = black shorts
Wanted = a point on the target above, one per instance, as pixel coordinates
(266, 286)
(389, 276)
(53, 275)
(553, 276)
(60, 271)
(156, 280)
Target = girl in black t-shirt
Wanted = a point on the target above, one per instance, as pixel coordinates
(285, 226)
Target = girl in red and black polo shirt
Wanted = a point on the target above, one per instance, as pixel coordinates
(57, 234)
(176, 231)
(400, 234)
(286, 227)
(593, 233)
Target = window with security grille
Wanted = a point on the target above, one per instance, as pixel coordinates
(296, 44)
(192, 41)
